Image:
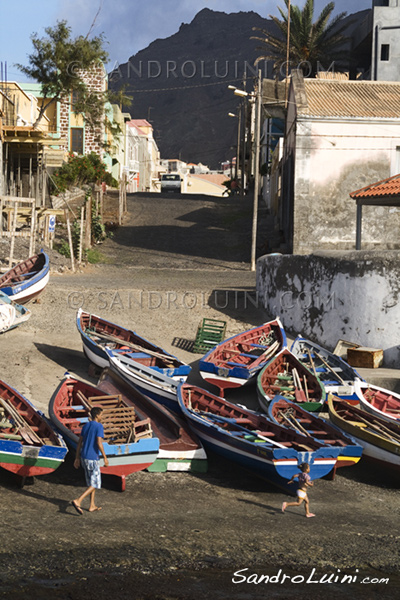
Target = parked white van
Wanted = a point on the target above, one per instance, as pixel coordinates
(171, 182)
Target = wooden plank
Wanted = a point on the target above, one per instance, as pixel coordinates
(18, 199)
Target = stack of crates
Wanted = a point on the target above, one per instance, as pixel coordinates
(209, 333)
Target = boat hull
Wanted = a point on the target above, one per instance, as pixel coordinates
(315, 426)
(30, 286)
(27, 457)
(227, 368)
(156, 386)
(180, 449)
(123, 339)
(376, 447)
(275, 458)
(379, 401)
(124, 458)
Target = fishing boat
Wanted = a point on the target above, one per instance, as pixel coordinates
(160, 385)
(379, 401)
(237, 360)
(251, 439)
(128, 441)
(180, 449)
(29, 446)
(11, 313)
(337, 375)
(99, 336)
(27, 279)
(379, 438)
(291, 415)
(284, 375)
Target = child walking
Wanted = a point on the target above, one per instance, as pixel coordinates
(304, 482)
(90, 445)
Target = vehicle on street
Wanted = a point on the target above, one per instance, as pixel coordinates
(171, 182)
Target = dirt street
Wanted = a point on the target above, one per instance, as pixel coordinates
(179, 536)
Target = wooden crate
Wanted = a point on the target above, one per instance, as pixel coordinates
(369, 358)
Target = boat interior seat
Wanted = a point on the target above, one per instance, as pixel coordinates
(235, 364)
(132, 354)
(248, 355)
(74, 419)
(259, 346)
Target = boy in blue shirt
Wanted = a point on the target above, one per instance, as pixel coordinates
(87, 453)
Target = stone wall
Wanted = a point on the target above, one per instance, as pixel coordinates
(96, 80)
(326, 297)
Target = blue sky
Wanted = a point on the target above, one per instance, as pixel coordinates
(128, 25)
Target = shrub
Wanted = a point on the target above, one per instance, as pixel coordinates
(81, 170)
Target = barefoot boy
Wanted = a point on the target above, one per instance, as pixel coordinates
(87, 453)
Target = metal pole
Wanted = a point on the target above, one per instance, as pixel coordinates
(256, 171)
(238, 143)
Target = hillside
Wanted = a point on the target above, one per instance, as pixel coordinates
(181, 84)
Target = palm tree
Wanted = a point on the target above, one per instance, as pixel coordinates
(312, 47)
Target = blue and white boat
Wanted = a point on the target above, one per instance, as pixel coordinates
(159, 384)
(252, 440)
(11, 313)
(290, 414)
(102, 339)
(27, 279)
(337, 376)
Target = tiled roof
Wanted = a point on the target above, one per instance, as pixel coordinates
(380, 189)
(368, 99)
(141, 123)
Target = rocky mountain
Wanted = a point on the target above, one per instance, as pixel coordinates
(180, 84)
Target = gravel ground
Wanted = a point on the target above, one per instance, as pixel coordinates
(178, 536)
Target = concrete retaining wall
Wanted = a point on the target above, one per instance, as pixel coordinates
(353, 296)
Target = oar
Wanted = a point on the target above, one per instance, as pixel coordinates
(24, 428)
(312, 362)
(376, 427)
(232, 421)
(330, 368)
(117, 340)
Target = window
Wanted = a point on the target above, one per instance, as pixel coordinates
(76, 144)
(75, 97)
(385, 52)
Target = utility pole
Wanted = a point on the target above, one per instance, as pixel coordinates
(256, 169)
(287, 56)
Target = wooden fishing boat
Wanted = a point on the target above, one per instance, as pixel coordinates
(377, 400)
(128, 441)
(99, 335)
(29, 446)
(337, 376)
(251, 439)
(27, 279)
(180, 449)
(235, 361)
(379, 438)
(154, 383)
(285, 375)
(291, 415)
(11, 313)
